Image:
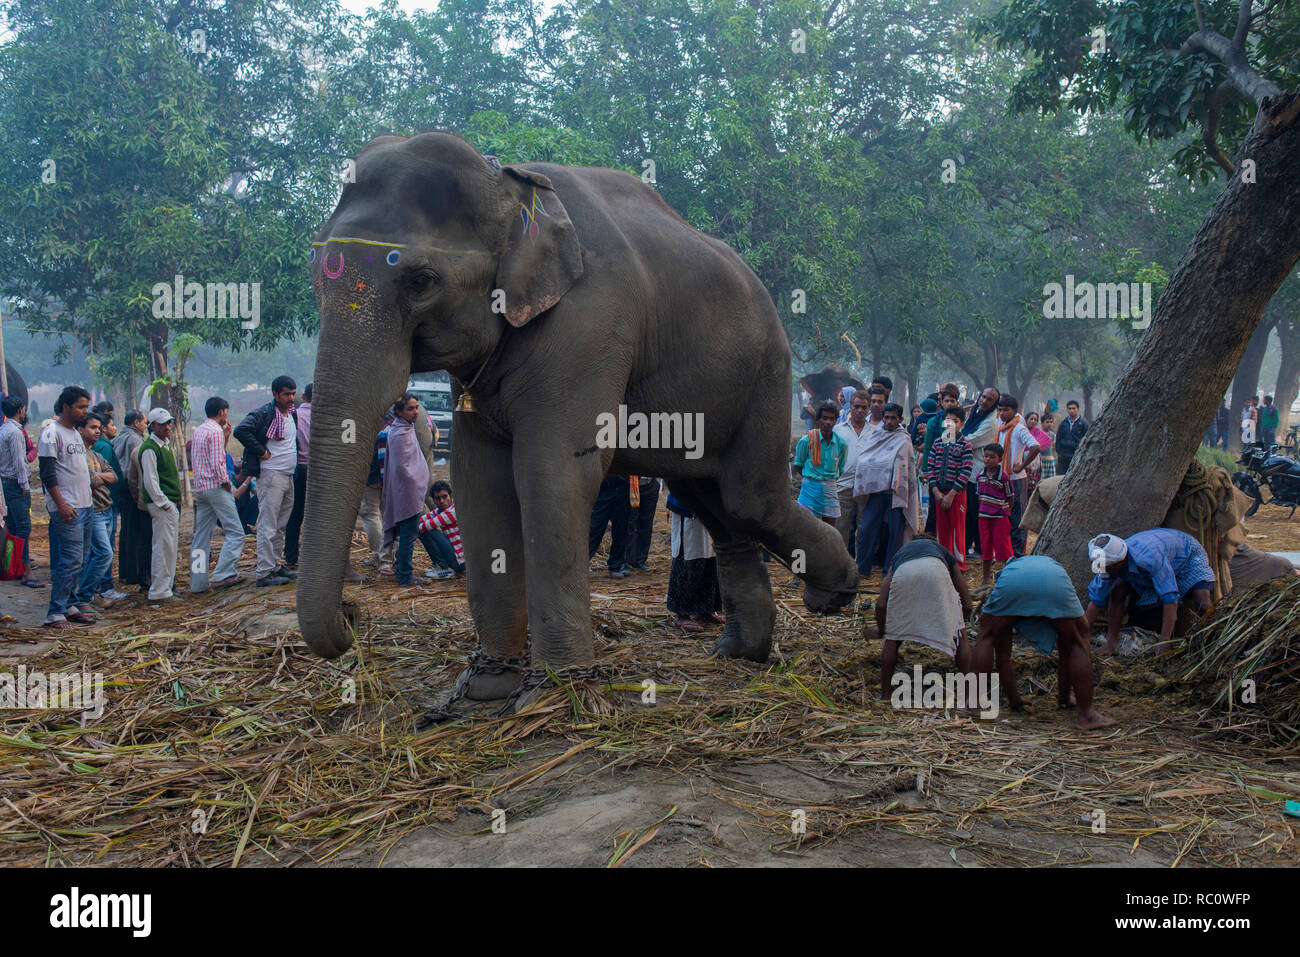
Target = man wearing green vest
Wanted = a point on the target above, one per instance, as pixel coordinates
(160, 490)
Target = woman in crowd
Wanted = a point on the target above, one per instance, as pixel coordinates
(693, 595)
(406, 482)
(1048, 455)
(1035, 469)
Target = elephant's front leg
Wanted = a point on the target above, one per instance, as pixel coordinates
(556, 492)
(487, 509)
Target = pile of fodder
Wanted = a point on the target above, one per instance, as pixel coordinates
(1246, 661)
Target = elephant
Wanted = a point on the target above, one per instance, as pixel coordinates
(560, 299)
(827, 385)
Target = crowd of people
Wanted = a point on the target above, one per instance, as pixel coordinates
(918, 500)
(117, 493)
(962, 474)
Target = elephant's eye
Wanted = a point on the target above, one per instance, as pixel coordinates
(421, 282)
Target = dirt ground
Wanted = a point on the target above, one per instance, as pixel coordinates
(217, 714)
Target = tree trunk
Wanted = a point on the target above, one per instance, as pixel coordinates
(1134, 457)
(1288, 376)
(1246, 381)
(913, 373)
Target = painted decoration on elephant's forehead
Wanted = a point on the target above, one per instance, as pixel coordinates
(394, 255)
(392, 259)
(529, 216)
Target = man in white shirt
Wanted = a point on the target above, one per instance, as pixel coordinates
(981, 429)
(854, 432)
(1019, 449)
(61, 455)
(269, 435)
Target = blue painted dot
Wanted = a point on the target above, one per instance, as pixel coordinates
(393, 257)
(311, 256)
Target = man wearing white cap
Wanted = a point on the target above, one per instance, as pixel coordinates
(1146, 576)
(160, 489)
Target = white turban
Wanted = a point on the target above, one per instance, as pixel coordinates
(1106, 550)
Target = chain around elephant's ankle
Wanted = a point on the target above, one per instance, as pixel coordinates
(478, 663)
(533, 678)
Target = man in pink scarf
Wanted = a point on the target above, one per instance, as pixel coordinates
(406, 482)
(885, 487)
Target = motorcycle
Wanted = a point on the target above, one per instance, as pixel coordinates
(1267, 469)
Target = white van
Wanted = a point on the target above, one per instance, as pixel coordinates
(433, 389)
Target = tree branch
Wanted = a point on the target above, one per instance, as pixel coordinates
(1240, 74)
(1243, 25)
(1209, 136)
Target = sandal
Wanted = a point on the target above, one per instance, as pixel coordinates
(81, 618)
(33, 583)
(686, 624)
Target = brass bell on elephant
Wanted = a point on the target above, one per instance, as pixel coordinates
(465, 403)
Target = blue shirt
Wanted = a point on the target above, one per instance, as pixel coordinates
(1163, 565)
(835, 455)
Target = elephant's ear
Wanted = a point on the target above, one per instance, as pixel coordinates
(542, 256)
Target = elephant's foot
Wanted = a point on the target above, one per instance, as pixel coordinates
(486, 686)
(489, 678)
(747, 600)
(735, 644)
(825, 601)
(833, 587)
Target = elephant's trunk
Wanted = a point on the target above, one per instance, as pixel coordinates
(357, 377)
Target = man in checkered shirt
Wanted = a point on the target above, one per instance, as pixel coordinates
(214, 501)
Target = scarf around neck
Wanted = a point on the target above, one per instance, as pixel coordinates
(1006, 429)
(975, 418)
(276, 431)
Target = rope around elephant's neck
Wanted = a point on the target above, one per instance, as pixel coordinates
(491, 355)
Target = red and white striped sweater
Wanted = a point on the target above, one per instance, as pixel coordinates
(444, 520)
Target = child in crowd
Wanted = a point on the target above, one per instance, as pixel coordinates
(950, 462)
(996, 496)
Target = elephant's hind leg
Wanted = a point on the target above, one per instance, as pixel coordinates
(742, 578)
(816, 553)
(813, 549)
(756, 503)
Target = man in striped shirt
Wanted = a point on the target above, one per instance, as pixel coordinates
(214, 502)
(440, 533)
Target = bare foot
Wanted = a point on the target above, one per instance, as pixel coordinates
(1160, 647)
(1018, 704)
(712, 618)
(685, 624)
(1110, 647)
(1067, 702)
(1091, 720)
